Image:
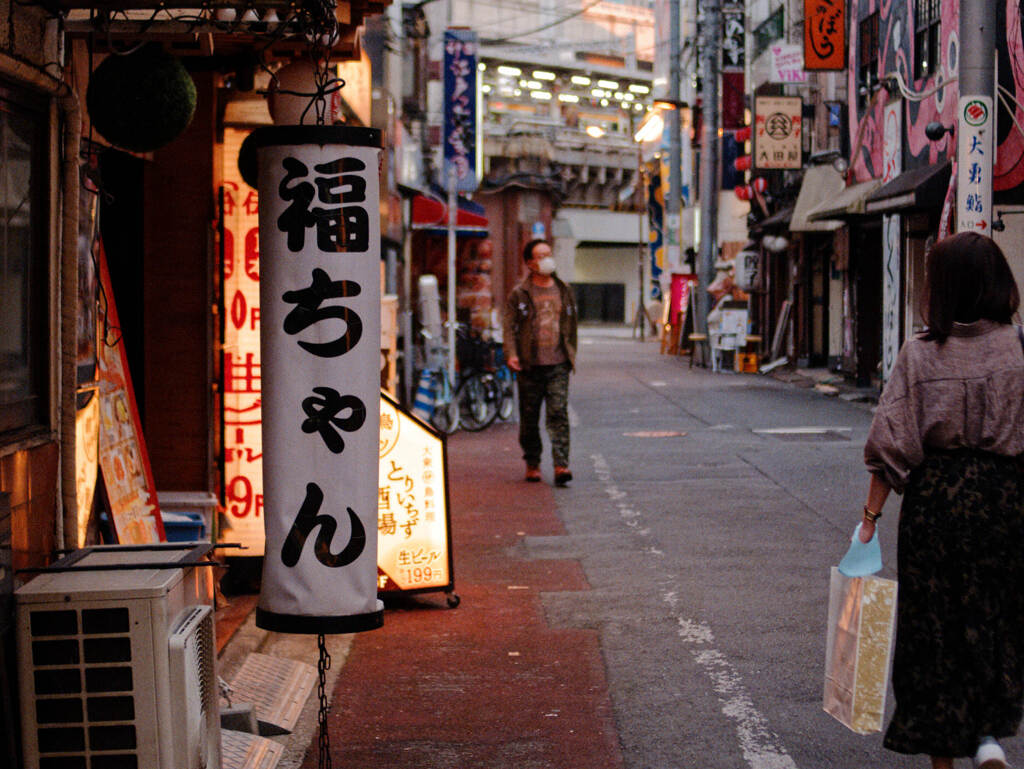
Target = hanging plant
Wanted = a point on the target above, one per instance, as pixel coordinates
(141, 101)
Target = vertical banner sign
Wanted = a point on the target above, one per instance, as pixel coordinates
(975, 150)
(241, 409)
(777, 132)
(892, 165)
(824, 34)
(655, 234)
(733, 40)
(320, 333)
(460, 108)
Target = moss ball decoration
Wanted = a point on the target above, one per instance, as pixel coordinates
(141, 101)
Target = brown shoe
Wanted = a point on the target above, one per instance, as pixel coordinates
(562, 475)
(532, 474)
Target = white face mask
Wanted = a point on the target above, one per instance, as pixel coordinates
(546, 265)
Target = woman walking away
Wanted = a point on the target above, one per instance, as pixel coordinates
(948, 435)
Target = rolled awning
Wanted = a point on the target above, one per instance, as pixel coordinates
(849, 202)
(432, 215)
(820, 184)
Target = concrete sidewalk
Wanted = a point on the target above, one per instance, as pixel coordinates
(490, 683)
(487, 684)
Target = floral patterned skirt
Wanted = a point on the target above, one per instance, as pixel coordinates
(958, 670)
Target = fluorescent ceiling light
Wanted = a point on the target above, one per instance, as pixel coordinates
(510, 71)
(595, 131)
(571, 98)
(611, 85)
(541, 95)
(637, 88)
(542, 75)
(485, 88)
(580, 80)
(533, 84)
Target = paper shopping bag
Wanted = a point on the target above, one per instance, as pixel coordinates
(861, 619)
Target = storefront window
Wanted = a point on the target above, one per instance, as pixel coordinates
(926, 38)
(868, 70)
(24, 343)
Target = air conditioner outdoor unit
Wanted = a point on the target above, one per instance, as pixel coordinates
(116, 661)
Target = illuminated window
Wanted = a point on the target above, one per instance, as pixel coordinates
(926, 38)
(25, 342)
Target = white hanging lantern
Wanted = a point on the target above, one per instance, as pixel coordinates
(320, 346)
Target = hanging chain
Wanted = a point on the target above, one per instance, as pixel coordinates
(322, 666)
(323, 34)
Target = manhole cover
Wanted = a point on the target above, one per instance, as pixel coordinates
(807, 434)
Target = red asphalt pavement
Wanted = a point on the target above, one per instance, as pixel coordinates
(490, 683)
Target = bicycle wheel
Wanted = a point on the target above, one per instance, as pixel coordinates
(478, 402)
(445, 416)
(506, 395)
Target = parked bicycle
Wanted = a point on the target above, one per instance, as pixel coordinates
(486, 390)
(435, 399)
(483, 390)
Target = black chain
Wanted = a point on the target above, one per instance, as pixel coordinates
(323, 34)
(322, 666)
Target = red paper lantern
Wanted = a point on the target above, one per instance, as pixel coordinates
(743, 134)
(760, 184)
(743, 191)
(742, 163)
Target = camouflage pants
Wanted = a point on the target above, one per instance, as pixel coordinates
(548, 385)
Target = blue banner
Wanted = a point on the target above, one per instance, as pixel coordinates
(460, 109)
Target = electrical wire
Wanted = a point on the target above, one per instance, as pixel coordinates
(921, 95)
(554, 23)
(1013, 113)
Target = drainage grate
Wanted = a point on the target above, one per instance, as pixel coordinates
(276, 687)
(806, 434)
(240, 750)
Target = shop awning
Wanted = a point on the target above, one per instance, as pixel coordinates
(923, 187)
(821, 183)
(849, 202)
(777, 221)
(431, 214)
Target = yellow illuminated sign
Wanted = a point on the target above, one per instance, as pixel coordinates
(413, 533)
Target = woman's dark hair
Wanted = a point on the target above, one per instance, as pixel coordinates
(967, 279)
(528, 248)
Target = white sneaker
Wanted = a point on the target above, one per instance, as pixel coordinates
(990, 755)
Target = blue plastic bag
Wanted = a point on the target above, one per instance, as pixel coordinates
(863, 558)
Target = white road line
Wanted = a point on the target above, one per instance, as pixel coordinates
(758, 743)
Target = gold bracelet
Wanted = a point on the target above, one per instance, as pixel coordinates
(871, 517)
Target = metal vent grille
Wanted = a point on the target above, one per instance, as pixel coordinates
(84, 688)
(202, 650)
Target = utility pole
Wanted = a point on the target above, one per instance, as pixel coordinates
(674, 204)
(976, 116)
(709, 172)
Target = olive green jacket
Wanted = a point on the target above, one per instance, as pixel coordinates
(519, 336)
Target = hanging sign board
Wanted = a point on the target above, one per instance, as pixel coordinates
(975, 156)
(777, 132)
(414, 552)
(824, 34)
(320, 340)
(462, 146)
(787, 64)
(131, 493)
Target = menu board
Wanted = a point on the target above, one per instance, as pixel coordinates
(413, 522)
